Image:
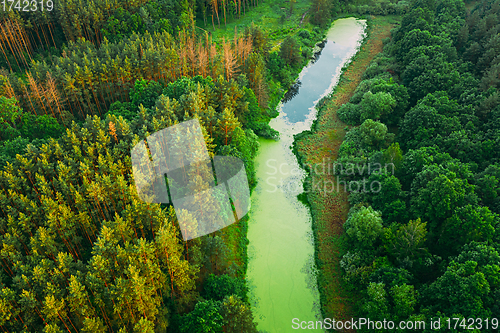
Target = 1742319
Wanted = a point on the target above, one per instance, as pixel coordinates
(472, 323)
(26, 5)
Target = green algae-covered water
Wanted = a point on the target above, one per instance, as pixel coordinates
(281, 265)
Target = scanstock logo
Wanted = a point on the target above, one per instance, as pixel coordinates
(172, 166)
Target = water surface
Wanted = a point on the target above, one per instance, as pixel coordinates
(281, 265)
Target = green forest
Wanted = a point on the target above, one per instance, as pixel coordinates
(426, 246)
(83, 83)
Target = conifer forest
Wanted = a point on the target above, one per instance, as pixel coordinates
(82, 82)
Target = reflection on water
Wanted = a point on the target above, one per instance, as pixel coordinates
(317, 54)
(292, 92)
(281, 249)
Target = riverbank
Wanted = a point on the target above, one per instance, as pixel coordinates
(322, 143)
(281, 270)
(235, 235)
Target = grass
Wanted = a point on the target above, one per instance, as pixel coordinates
(267, 17)
(329, 211)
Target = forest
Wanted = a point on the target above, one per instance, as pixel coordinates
(426, 246)
(82, 84)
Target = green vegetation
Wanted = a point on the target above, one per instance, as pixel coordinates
(330, 211)
(432, 250)
(80, 86)
(278, 19)
(89, 248)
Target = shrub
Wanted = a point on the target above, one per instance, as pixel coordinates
(350, 114)
(125, 109)
(218, 287)
(304, 34)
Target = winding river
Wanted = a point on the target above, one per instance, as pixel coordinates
(281, 263)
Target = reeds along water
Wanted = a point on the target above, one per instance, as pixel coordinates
(281, 262)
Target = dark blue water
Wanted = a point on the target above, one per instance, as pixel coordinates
(314, 81)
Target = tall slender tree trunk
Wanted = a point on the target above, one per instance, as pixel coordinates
(224, 8)
(5, 54)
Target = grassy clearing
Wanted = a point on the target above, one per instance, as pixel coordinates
(267, 16)
(329, 211)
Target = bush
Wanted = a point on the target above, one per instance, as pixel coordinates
(125, 109)
(402, 7)
(350, 114)
(10, 148)
(145, 93)
(307, 52)
(279, 69)
(15, 122)
(218, 287)
(304, 34)
(264, 130)
(184, 85)
(40, 127)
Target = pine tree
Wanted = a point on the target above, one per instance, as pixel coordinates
(227, 124)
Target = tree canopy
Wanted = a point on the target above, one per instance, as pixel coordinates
(429, 105)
